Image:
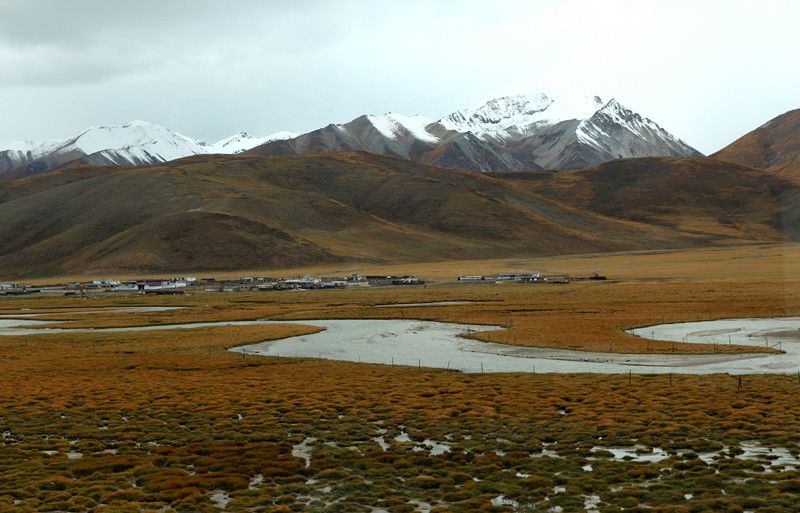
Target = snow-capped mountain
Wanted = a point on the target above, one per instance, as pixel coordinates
(611, 131)
(508, 133)
(132, 144)
(615, 131)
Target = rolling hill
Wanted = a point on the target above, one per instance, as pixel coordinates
(701, 196)
(216, 212)
(774, 145)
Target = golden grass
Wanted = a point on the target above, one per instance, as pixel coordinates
(585, 315)
(746, 262)
(164, 419)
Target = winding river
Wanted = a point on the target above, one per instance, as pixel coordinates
(441, 345)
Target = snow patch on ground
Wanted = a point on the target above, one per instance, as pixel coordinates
(303, 450)
(220, 498)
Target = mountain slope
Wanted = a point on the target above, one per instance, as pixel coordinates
(236, 212)
(391, 134)
(775, 144)
(703, 196)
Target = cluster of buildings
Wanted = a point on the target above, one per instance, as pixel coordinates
(148, 286)
(13, 289)
(324, 282)
(185, 284)
(525, 277)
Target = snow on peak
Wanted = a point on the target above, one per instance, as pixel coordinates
(138, 142)
(392, 125)
(243, 141)
(138, 123)
(641, 126)
(24, 146)
(521, 114)
(135, 140)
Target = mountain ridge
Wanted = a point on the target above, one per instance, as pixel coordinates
(131, 144)
(506, 133)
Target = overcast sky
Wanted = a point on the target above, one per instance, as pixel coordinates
(708, 71)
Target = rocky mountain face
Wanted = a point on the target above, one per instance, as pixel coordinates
(612, 132)
(504, 134)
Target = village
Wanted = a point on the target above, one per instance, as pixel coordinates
(530, 277)
(187, 284)
(190, 284)
(525, 277)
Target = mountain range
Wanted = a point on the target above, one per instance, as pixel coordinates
(509, 133)
(133, 144)
(249, 211)
(504, 134)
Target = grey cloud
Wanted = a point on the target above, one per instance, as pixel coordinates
(54, 42)
(210, 68)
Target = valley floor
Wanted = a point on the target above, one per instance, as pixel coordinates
(171, 420)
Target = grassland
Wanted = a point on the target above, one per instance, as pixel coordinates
(163, 421)
(750, 262)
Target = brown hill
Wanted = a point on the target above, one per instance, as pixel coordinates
(701, 196)
(775, 144)
(238, 212)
